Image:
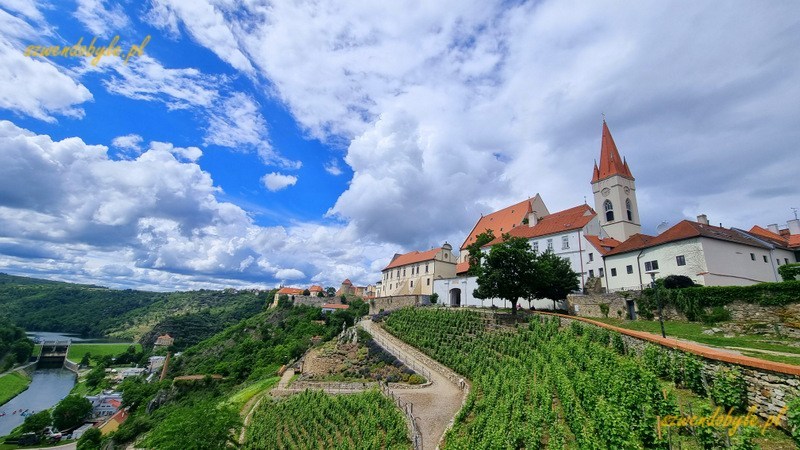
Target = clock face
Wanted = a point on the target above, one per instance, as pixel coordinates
(605, 192)
(627, 190)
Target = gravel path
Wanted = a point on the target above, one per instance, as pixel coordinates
(436, 405)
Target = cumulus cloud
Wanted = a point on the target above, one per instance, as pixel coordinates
(152, 222)
(332, 167)
(100, 17)
(131, 143)
(276, 181)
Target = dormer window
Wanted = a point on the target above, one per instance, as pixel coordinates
(609, 209)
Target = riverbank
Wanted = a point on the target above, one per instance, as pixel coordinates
(11, 385)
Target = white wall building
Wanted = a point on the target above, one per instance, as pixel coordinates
(414, 273)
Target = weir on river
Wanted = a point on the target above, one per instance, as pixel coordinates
(53, 354)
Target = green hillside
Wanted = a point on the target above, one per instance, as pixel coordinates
(94, 311)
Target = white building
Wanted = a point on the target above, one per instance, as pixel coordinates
(414, 273)
(105, 404)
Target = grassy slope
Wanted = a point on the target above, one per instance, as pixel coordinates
(76, 351)
(12, 384)
(693, 331)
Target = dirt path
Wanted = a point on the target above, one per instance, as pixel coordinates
(250, 407)
(436, 405)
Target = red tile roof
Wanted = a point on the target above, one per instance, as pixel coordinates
(603, 245)
(315, 288)
(685, 229)
(501, 221)
(347, 281)
(567, 220)
(290, 291)
(462, 267)
(610, 161)
(788, 240)
(334, 306)
(412, 257)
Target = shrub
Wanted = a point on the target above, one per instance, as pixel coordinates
(434, 298)
(90, 440)
(306, 292)
(678, 282)
(415, 379)
(729, 389)
(604, 309)
(793, 417)
(789, 272)
(618, 344)
(717, 314)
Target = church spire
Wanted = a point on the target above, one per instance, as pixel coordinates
(610, 161)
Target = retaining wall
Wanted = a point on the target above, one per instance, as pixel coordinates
(379, 304)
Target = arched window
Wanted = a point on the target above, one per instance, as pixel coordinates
(629, 209)
(609, 210)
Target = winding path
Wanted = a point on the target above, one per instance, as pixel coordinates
(436, 405)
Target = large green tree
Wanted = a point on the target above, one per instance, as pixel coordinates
(507, 272)
(554, 277)
(70, 412)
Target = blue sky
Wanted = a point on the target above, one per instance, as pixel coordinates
(259, 143)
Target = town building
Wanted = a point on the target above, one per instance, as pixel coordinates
(105, 404)
(331, 307)
(164, 341)
(414, 273)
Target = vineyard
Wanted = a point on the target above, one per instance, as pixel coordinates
(314, 420)
(540, 387)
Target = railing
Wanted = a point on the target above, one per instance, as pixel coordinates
(408, 410)
(394, 350)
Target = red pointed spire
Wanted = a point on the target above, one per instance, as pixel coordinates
(610, 161)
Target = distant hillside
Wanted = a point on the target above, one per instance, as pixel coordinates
(44, 305)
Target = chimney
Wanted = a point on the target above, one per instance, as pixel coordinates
(532, 219)
(774, 228)
(702, 218)
(794, 226)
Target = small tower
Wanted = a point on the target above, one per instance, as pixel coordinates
(615, 191)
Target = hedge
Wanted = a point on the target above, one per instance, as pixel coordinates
(693, 301)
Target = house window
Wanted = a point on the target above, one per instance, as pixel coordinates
(613, 272)
(390, 285)
(429, 281)
(591, 257)
(550, 244)
(629, 209)
(752, 256)
(787, 260)
(779, 261)
(591, 273)
(650, 265)
(629, 269)
(564, 242)
(398, 273)
(600, 272)
(426, 268)
(412, 283)
(609, 209)
(536, 246)
(765, 258)
(681, 260)
(404, 272)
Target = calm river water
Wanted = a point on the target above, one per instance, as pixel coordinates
(48, 387)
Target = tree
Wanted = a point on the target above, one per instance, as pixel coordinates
(22, 350)
(306, 292)
(343, 298)
(35, 423)
(331, 291)
(789, 272)
(86, 360)
(554, 277)
(678, 282)
(70, 412)
(320, 294)
(204, 425)
(475, 252)
(90, 440)
(434, 298)
(507, 272)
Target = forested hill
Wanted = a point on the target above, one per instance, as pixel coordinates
(15, 347)
(192, 316)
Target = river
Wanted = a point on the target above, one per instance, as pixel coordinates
(48, 387)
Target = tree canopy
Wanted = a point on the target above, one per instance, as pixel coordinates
(70, 412)
(512, 270)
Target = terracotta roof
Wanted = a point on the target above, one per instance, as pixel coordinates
(501, 221)
(603, 245)
(789, 240)
(462, 267)
(566, 220)
(685, 229)
(412, 257)
(290, 291)
(334, 306)
(610, 161)
(315, 288)
(347, 281)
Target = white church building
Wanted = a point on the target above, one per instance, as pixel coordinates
(606, 243)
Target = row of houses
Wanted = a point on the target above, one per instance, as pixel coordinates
(346, 288)
(605, 248)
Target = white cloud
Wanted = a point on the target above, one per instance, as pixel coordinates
(276, 181)
(289, 274)
(33, 86)
(332, 167)
(27, 8)
(101, 18)
(131, 142)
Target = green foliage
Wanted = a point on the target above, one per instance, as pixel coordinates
(90, 440)
(716, 315)
(707, 437)
(434, 298)
(604, 309)
(12, 384)
(35, 423)
(789, 272)
(87, 357)
(745, 439)
(306, 292)
(415, 379)
(313, 419)
(678, 282)
(330, 290)
(70, 412)
(539, 384)
(15, 347)
(793, 417)
(554, 277)
(729, 389)
(284, 302)
(475, 253)
(508, 271)
(201, 425)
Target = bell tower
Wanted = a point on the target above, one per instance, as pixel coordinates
(614, 191)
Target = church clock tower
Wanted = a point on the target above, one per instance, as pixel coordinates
(615, 192)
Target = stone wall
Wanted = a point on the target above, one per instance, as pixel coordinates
(312, 300)
(379, 304)
(769, 385)
(588, 305)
